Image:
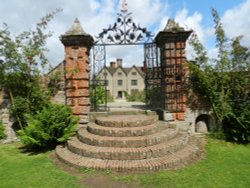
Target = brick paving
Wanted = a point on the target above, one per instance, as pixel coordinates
(130, 142)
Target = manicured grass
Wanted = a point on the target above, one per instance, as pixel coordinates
(226, 165)
(22, 170)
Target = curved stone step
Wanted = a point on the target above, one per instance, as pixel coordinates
(124, 142)
(171, 161)
(126, 120)
(126, 131)
(159, 150)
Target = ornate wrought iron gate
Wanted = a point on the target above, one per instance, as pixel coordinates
(123, 32)
(153, 75)
(98, 87)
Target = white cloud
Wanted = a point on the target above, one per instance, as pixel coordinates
(237, 22)
(147, 12)
(95, 15)
(191, 22)
(131, 55)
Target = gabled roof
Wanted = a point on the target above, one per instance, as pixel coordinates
(126, 70)
(58, 66)
(139, 70)
(122, 68)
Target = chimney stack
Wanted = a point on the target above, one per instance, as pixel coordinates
(112, 64)
(119, 62)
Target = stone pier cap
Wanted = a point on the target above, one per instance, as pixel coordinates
(76, 36)
(172, 33)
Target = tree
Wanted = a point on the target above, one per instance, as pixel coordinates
(224, 82)
(23, 56)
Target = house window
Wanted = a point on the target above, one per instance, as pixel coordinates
(119, 73)
(133, 73)
(133, 82)
(119, 82)
(106, 82)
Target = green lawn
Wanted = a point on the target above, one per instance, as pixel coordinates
(23, 170)
(225, 165)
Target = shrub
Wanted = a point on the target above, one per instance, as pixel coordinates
(52, 125)
(137, 96)
(97, 95)
(2, 134)
(154, 96)
(236, 125)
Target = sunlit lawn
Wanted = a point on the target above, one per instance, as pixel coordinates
(225, 165)
(24, 170)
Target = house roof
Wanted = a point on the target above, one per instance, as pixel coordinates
(126, 70)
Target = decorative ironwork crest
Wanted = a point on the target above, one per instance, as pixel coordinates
(124, 31)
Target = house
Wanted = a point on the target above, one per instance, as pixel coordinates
(122, 80)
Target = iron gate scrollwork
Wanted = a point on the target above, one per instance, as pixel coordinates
(123, 32)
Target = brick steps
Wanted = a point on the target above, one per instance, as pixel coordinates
(130, 142)
(173, 160)
(125, 131)
(126, 121)
(115, 153)
(137, 141)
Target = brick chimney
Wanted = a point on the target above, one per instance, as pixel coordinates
(112, 64)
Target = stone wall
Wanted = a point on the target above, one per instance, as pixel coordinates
(6, 118)
(57, 76)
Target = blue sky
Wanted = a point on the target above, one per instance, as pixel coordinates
(204, 6)
(95, 15)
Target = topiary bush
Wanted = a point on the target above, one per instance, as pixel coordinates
(2, 134)
(52, 125)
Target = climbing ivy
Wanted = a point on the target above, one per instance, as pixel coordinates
(224, 82)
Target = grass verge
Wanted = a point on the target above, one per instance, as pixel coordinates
(225, 165)
(19, 169)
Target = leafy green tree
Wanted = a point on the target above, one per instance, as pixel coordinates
(224, 82)
(52, 125)
(23, 56)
